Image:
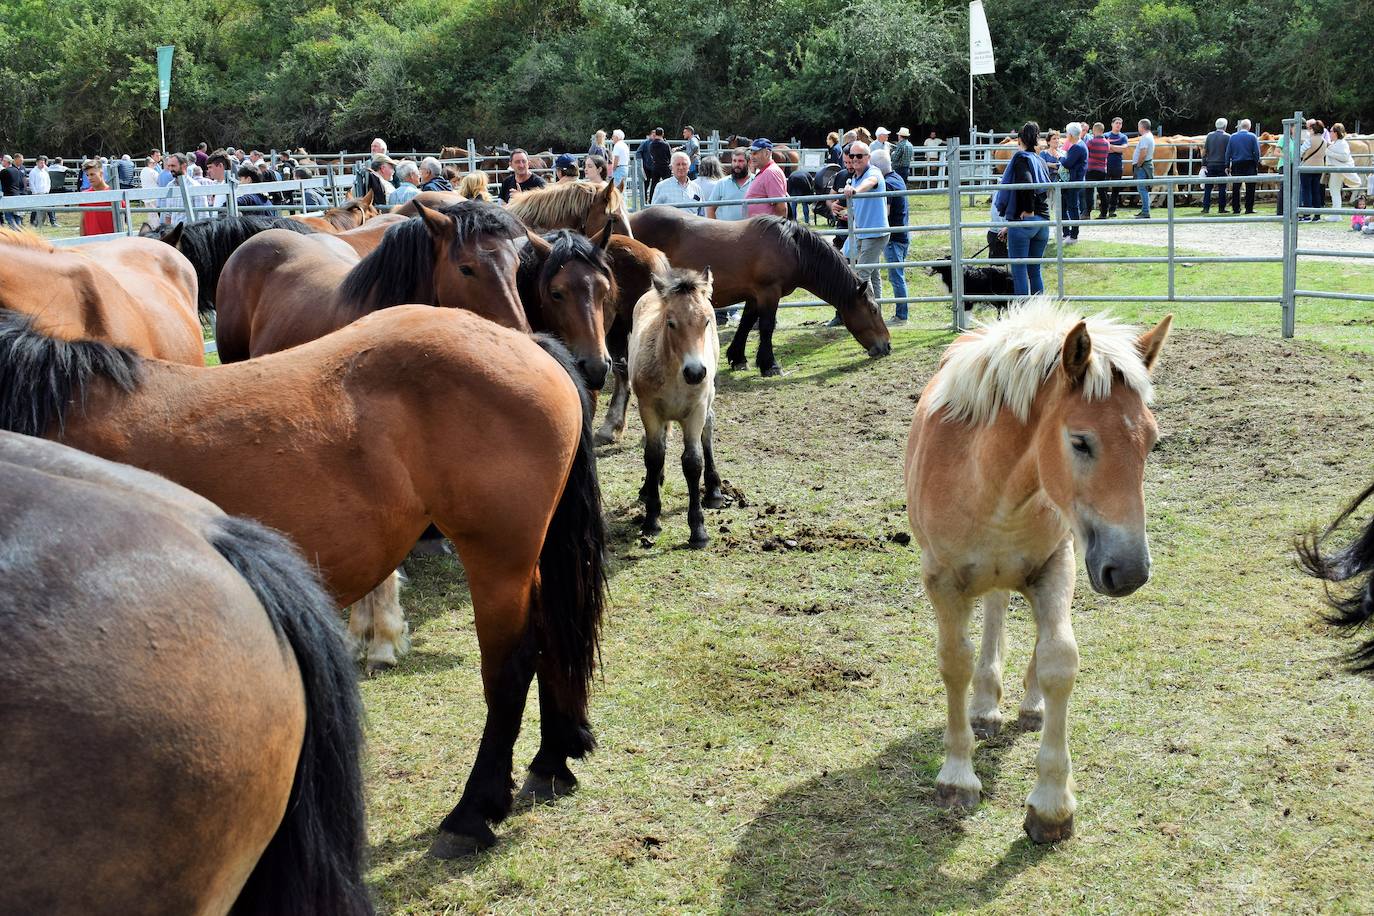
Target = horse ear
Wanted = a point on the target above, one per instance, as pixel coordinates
(862, 288)
(539, 244)
(607, 231)
(660, 284)
(173, 235)
(366, 199)
(610, 187)
(706, 275)
(1152, 341)
(1078, 349)
(438, 224)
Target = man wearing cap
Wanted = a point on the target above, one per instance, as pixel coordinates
(521, 178)
(902, 154)
(880, 139)
(691, 147)
(432, 175)
(769, 181)
(380, 174)
(565, 168)
(679, 187)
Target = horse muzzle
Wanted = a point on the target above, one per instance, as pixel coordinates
(1117, 565)
(880, 349)
(693, 373)
(593, 372)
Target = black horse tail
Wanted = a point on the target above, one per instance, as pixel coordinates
(314, 863)
(1354, 611)
(567, 609)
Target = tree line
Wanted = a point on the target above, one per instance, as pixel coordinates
(80, 77)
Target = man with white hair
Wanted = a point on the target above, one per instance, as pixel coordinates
(620, 157)
(1214, 165)
(867, 216)
(680, 187)
(879, 140)
(431, 175)
(1075, 161)
(1242, 158)
(407, 183)
(378, 146)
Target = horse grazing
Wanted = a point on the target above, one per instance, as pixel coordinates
(351, 214)
(279, 290)
(1354, 611)
(674, 350)
(566, 287)
(351, 445)
(634, 265)
(181, 712)
(1032, 435)
(208, 243)
(760, 261)
(132, 292)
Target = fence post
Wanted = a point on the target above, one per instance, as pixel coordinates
(472, 155)
(232, 180)
(1292, 132)
(121, 224)
(715, 142)
(186, 198)
(1059, 235)
(1169, 201)
(956, 239)
(973, 156)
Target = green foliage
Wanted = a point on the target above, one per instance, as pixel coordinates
(333, 73)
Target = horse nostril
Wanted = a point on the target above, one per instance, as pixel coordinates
(1108, 577)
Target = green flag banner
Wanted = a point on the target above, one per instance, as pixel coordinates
(164, 74)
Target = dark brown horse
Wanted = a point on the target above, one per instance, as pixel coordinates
(351, 214)
(566, 287)
(1353, 565)
(759, 262)
(181, 715)
(279, 290)
(351, 445)
(132, 292)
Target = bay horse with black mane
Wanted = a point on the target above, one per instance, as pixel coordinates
(1353, 563)
(566, 287)
(182, 721)
(760, 261)
(351, 445)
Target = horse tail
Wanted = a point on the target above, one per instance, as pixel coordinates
(1354, 611)
(567, 607)
(314, 862)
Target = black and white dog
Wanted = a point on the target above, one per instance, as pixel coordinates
(979, 281)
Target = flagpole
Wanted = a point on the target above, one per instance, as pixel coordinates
(162, 127)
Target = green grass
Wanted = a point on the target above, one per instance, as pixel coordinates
(770, 714)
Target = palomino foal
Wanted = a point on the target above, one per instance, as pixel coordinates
(1031, 436)
(673, 354)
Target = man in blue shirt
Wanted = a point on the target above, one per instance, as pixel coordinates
(1114, 171)
(867, 217)
(1242, 158)
(1075, 161)
(731, 187)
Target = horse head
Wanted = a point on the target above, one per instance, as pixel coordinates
(689, 323)
(570, 282)
(475, 260)
(863, 319)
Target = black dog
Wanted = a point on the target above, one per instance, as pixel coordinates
(978, 282)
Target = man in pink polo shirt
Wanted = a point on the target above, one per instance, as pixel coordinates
(769, 181)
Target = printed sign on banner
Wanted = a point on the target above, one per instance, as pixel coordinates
(979, 41)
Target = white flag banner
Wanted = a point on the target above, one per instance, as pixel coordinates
(979, 41)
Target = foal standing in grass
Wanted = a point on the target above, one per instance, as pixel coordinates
(673, 355)
(1031, 437)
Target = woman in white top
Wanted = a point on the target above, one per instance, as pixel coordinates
(1338, 154)
(709, 174)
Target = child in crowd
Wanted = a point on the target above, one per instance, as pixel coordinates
(1359, 221)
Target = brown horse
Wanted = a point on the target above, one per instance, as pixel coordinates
(635, 265)
(134, 293)
(351, 445)
(786, 157)
(578, 205)
(181, 714)
(279, 290)
(350, 215)
(1032, 436)
(566, 287)
(760, 261)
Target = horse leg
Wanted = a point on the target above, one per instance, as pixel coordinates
(560, 737)
(390, 632)
(735, 352)
(957, 786)
(692, 463)
(360, 624)
(984, 711)
(1050, 806)
(655, 448)
(714, 498)
(768, 320)
(1031, 713)
(500, 600)
(613, 424)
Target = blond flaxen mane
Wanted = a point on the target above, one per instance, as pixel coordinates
(22, 238)
(565, 205)
(1003, 364)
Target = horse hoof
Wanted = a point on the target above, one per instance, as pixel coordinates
(378, 665)
(715, 501)
(985, 727)
(1041, 831)
(954, 797)
(1029, 721)
(459, 845)
(738, 365)
(539, 790)
(771, 371)
(650, 530)
(698, 541)
(604, 437)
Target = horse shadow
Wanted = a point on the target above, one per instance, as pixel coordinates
(871, 839)
(408, 858)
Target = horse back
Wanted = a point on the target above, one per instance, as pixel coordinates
(160, 285)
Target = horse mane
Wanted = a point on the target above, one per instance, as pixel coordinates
(207, 244)
(679, 281)
(41, 376)
(563, 204)
(1353, 611)
(401, 269)
(1003, 364)
(820, 266)
(23, 238)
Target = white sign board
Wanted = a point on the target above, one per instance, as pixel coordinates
(979, 41)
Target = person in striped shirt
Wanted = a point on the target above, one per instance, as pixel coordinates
(1098, 149)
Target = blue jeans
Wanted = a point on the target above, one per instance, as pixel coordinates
(1027, 239)
(1072, 198)
(896, 251)
(1147, 170)
(620, 173)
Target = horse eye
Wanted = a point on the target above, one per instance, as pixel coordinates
(466, 271)
(556, 296)
(1081, 446)
(672, 325)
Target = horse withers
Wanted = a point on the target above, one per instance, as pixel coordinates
(674, 349)
(182, 724)
(1031, 437)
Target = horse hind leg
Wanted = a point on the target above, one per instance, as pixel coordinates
(560, 738)
(713, 498)
(377, 624)
(984, 711)
(735, 352)
(613, 424)
(765, 360)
